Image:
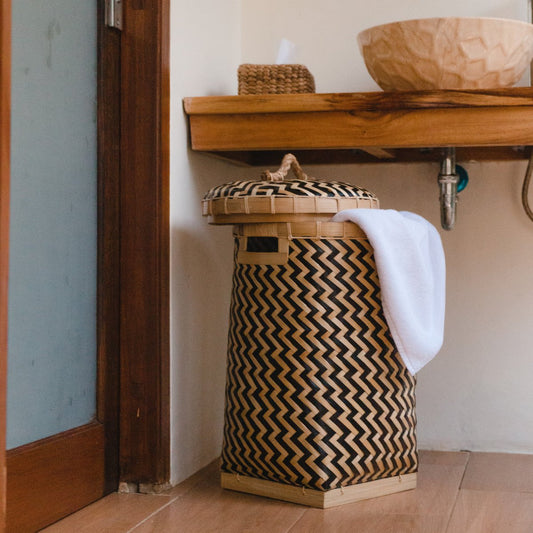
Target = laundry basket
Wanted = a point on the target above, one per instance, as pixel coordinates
(320, 408)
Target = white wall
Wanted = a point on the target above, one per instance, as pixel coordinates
(205, 54)
(476, 394)
(325, 31)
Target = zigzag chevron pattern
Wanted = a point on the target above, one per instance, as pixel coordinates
(295, 187)
(316, 394)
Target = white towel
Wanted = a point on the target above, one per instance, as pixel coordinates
(412, 274)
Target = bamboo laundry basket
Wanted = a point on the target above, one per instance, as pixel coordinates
(274, 79)
(320, 409)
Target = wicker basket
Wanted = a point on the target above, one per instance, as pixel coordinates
(320, 409)
(275, 79)
(317, 396)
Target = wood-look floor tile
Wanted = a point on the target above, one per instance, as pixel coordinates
(330, 521)
(116, 513)
(436, 491)
(492, 512)
(208, 472)
(209, 509)
(497, 496)
(443, 458)
(423, 510)
(499, 472)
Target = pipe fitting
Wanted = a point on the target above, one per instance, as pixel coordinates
(448, 180)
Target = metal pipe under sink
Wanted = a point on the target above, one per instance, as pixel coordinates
(448, 180)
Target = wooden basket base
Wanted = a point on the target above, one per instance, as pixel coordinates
(317, 498)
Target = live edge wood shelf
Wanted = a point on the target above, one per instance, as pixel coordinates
(364, 127)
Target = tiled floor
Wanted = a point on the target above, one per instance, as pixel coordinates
(457, 493)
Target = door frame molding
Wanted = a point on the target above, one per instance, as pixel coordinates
(5, 122)
(133, 409)
(108, 290)
(145, 243)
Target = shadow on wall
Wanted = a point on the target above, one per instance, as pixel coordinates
(202, 266)
(199, 322)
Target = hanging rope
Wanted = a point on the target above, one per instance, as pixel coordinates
(525, 187)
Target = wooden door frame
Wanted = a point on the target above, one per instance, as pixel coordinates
(145, 243)
(5, 121)
(133, 417)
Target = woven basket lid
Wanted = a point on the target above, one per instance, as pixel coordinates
(276, 199)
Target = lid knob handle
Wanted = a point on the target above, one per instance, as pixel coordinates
(289, 162)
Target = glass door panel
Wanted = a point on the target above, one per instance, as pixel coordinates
(53, 239)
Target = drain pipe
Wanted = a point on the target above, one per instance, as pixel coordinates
(448, 181)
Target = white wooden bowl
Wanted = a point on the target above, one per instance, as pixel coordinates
(447, 53)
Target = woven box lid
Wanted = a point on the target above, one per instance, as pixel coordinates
(276, 199)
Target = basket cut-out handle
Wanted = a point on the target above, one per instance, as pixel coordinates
(278, 255)
(289, 162)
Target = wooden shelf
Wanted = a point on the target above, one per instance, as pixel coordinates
(364, 127)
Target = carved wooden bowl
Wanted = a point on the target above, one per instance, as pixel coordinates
(447, 53)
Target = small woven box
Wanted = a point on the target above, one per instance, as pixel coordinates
(275, 79)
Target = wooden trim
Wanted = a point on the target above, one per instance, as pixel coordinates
(58, 475)
(316, 498)
(108, 297)
(363, 127)
(134, 85)
(419, 128)
(163, 469)
(144, 215)
(358, 102)
(5, 121)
